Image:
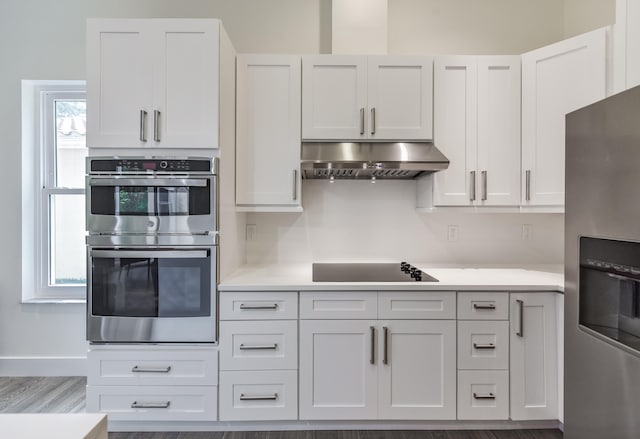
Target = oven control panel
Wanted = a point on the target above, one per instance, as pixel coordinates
(130, 165)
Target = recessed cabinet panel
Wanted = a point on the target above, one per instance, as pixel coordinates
(337, 377)
(274, 305)
(556, 79)
(483, 345)
(117, 96)
(333, 97)
(187, 116)
(268, 132)
(483, 306)
(454, 130)
(483, 395)
(338, 305)
(258, 345)
(417, 370)
(417, 305)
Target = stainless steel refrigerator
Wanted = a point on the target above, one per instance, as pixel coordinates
(602, 270)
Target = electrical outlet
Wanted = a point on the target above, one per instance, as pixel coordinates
(250, 232)
(527, 232)
(452, 233)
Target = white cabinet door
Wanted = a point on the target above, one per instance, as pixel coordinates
(400, 97)
(338, 370)
(454, 129)
(477, 126)
(334, 97)
(152, 83)
(556, 80)
(498, 135)
(417, 369)
(533, 352)
(185, 107)
(119, 85)
(268, 131)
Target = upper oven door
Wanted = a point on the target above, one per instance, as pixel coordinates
(151, 204)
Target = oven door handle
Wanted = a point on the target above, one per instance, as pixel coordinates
(175, 254)
(156, 182)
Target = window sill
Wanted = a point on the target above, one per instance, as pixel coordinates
(54, 300)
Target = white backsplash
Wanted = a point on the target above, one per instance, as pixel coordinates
(360, 221)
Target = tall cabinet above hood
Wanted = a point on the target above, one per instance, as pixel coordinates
(367, 160)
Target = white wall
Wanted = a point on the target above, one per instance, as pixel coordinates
(42, 39)
(584, 15)
(357, 220)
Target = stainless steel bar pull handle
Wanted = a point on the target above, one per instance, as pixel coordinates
(143, 126)
(484, 346)
(520, 332)
(472, 190)
(527, 180)
(156, 125)
(372, 359)
(489, 396)
(484, 185)
(258, 307)
(150, 405)
(244, 397)
(295, 184)
(138, 369)
(373, 120)
(266, 347)
(362, 121)
(385, 352)
(488, 306)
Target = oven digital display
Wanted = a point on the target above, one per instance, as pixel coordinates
(149, 166)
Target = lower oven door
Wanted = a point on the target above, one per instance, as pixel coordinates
(152, 295)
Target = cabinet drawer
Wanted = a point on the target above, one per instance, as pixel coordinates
(153, 367)
(417, 305)
(259, 396)
(259, 345)
(483, 306)
(258, 306)
(154, 403)
(339, 305)
(483, 394)
(483, 345)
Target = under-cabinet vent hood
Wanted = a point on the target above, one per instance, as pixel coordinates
(383, 160)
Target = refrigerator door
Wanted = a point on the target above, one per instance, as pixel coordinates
(602, 381)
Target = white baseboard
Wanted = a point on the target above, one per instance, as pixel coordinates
(43, 366)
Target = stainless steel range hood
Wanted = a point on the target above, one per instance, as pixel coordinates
(379, 160)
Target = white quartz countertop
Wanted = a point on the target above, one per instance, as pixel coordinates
(296, 277)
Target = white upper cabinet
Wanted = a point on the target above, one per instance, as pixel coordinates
(358, 97)
(477, 127)
(268, 132)
(556, 80)
(153, 83)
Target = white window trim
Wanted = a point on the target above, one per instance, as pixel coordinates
(36, 189)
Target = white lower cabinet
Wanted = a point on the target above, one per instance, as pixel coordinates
(168, 383)
(416, 370)
(483, 394)
(259, 395)
(378, 369)
(258, 356)
(154, 403)
(534, 361)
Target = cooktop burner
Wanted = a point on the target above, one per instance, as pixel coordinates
(368, 272)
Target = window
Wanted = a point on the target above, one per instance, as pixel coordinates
(54, 152)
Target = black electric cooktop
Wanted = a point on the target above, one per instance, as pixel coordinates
(368, 272)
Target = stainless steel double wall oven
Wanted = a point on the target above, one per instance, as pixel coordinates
(152, 254)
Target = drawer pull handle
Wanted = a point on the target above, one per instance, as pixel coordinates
(138, 369)
(489, 306)
(150, 405)
(484, 346)
(244, 397)
(489, 396)
(266, 347)
(258, 307)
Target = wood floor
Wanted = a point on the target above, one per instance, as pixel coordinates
(67, 395)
